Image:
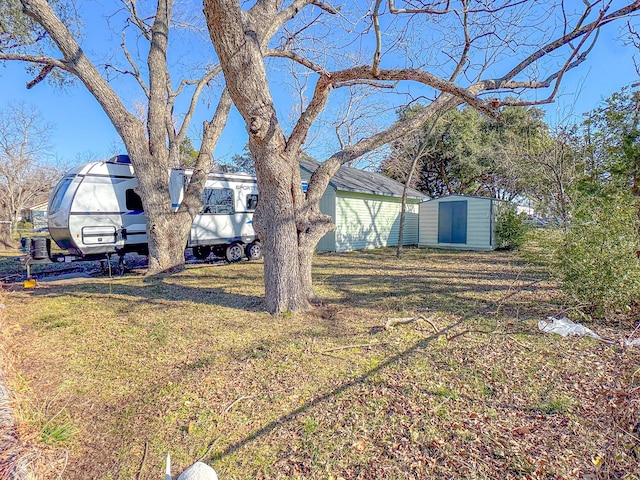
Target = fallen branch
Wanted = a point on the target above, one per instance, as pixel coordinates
(511, 292)
(469, 331)
(66, 462)
(359, 345)
(144, 459)
(231, 405)
(392, 322)
(633, 333)
(204, 455)
(437, 407)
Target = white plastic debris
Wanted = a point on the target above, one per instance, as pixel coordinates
(636, 341)
(565, 327)
(632, 343)
(197, 471)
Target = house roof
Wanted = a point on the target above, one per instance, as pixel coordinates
(457, 195)
(355, 180)
(39, 206)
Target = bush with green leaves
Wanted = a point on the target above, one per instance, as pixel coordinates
(24, 225)
(598, 263)
(511, 231)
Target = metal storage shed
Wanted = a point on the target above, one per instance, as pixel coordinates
(365, 208)
(458, 222)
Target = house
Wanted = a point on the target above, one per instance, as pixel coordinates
(458, 222)
(37, 215)
(365, 208)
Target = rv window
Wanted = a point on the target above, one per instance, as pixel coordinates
(252, 201)
(218, 200)
(58, 194)
(133, 200)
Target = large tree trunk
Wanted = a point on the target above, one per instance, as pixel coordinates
(167, 230)
(275, 224)
(316, 225)
(238, 41)
(289, 227)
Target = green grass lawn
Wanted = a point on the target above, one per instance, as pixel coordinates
(111, 374)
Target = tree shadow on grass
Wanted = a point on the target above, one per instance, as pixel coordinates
(449, 281)
(288, 417)
(157, 292)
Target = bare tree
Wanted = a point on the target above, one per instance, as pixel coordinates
(25, 174)
(634, 39)
(409, 152)
(550, 169)
(154, 140)
(457, 58)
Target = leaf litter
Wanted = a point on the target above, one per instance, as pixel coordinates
(192, 366)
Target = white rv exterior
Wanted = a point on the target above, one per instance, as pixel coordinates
(94, 210)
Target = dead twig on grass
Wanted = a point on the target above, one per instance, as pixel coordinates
(437, 407)
(144, 459)
(239, 399)
(633, 332)
(452, 337)
(66, 462)
(511, 292)
(358, 345)
(204, 455)
(392, 322)
(514, 340)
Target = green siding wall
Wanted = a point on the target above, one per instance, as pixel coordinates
(479, 224)
(328, 206)
(371, 221)
(365, 220)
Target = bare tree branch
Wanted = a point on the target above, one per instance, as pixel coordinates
(159, 119)
(464, 56)
(200, 85)
(34, 59)
(315, 107)
(212, 130)
(376, 26)
(41, 76)
(429, 9)
(136, 70)
(566, 39)
(277, 19)
(145, 29)
(296, 58)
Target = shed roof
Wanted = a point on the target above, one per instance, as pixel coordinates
(355, 180)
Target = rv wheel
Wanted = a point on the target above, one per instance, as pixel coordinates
(235, 252)
(254, 251)
(201, 252)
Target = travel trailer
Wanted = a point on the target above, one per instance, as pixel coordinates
(94, 211)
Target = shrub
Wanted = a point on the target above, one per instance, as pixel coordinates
(598, 263)
(24, 225)
(511, 229)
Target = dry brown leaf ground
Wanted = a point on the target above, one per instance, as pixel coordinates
(108, 375)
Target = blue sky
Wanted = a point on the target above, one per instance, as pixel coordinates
(82, 131)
